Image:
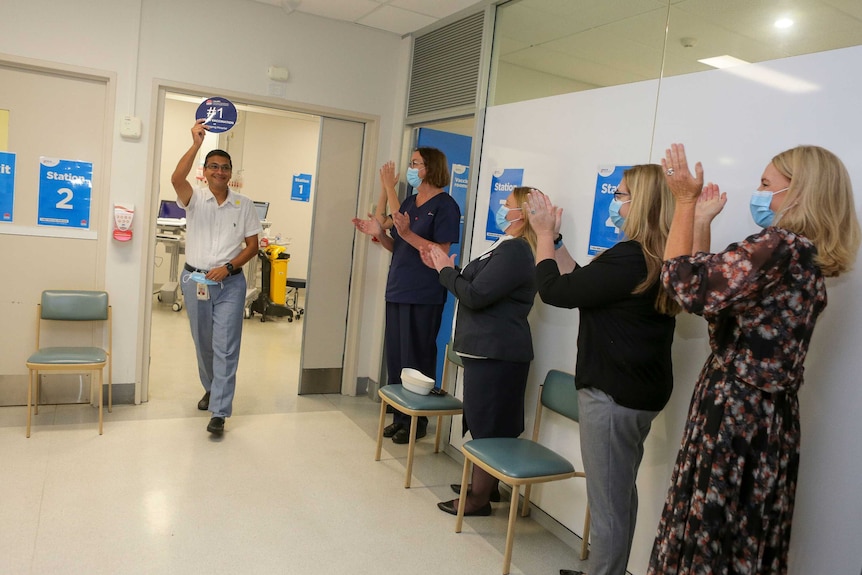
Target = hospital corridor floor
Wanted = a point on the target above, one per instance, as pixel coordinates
(290, 488)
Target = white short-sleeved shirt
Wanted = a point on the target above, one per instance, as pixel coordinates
(216, 233)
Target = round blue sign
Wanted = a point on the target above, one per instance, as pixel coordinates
(219, 114)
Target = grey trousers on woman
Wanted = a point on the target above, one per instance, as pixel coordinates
(612, 439)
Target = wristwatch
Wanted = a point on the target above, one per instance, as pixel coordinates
(229, 267)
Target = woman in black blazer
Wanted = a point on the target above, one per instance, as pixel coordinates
(495, 293)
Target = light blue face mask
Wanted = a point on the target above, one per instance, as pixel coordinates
(614, 212)
(759, 206)
(413, 177)
(201, 278)
(500, 217)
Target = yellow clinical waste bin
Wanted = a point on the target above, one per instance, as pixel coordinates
(278, 259)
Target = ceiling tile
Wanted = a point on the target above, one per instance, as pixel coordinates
(396, 20)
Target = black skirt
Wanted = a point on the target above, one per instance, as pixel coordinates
(494, 397)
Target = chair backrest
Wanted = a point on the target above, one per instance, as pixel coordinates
(452, 356)
(559, 394)
(74, 305)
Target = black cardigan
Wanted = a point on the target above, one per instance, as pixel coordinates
(624, 344)
(495, 294)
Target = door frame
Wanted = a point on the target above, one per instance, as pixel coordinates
(364, 197)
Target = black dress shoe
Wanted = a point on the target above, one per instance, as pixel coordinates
(451, 507)
(402, 436)
(571, 572)
(391, 429)
(495, 495)
(204, 403)
(216, 425)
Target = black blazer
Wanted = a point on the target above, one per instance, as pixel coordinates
(495, 294)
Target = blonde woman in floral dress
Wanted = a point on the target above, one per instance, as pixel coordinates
(730, 503)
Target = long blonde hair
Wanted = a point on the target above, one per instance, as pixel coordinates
(521, 194)
(819, 205)
(648, 223)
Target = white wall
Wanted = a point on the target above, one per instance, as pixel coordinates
(734, 125)
(222, 44)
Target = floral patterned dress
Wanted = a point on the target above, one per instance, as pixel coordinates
(730, 502)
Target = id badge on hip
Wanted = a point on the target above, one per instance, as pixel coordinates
(203, 292)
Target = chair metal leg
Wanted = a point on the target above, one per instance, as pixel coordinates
(36, 393)
(525, 508)
(414, 423)
(510, 533)
(585, 551)
(29, 399)
(101, 401)
(380, 430)
(462, 499)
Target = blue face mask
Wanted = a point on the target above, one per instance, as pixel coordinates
(413, 177)
(500, 217)
(614, 211)
(200, 277)
(759, 206)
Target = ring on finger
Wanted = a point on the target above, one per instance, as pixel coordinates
(669, 171)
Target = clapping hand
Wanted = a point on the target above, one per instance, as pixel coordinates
(433, 256)
(388, 177)
(370, 227)
(542, 214)
(402, 224)
(684, 186)
(710, 203)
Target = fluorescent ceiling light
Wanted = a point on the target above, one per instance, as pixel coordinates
(723, 62)
(761, 74)
(783, 23)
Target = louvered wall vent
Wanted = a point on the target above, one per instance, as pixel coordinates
(446, 67)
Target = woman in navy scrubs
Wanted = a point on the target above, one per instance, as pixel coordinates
(414, 297)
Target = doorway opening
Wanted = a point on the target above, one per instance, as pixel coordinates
(278, 155)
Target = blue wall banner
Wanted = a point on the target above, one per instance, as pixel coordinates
(300, 191)
(502, 184)
(603, 233)
(7, 187)
(65, 190)
(219, 113)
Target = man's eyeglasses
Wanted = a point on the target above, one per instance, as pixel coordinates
(416, 164)
(217, 167)
(621, 195)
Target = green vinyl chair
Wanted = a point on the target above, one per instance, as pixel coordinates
(517, 461)
(63, 306)
(416, 405)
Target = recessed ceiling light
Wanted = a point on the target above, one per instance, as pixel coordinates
(783, 23)
(723, 62)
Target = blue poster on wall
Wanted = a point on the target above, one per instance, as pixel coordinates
(300, 191)
(7, 186)
(457, 148)
(603, 233)
(65, 190)
(502, 184)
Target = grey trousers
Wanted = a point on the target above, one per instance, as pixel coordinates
(612, 438)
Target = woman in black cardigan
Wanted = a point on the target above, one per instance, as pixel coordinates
(624, 375)
(495, 293)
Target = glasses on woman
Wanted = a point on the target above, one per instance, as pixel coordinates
(621, 195)
(415, 164)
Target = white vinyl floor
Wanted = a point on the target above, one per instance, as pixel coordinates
(291, 488)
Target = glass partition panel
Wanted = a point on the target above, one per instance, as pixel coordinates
(548, 47)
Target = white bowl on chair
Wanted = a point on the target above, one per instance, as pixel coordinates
(415, 381)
